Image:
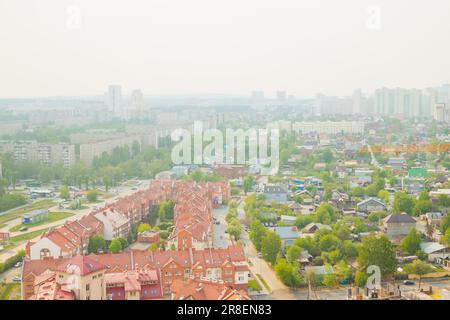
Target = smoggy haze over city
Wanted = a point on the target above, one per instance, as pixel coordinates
(205, 46)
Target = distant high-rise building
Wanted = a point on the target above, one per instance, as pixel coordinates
(114, 100)
(440, 113)
(357, 101)
(258, 95)
(281, 95)
(401, 102)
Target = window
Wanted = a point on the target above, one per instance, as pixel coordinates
(87, 287)
(119, 294)
(145, 292)
(154, 292)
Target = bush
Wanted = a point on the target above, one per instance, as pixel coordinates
(92, 195)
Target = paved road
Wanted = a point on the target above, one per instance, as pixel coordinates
(8, 276)
(260, 266)
(221, 239)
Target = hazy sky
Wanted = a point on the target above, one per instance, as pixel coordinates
(221, 46)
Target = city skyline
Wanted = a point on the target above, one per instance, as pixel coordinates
(75, 48)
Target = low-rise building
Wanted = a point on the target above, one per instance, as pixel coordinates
(371, 205)
(397, 226)
(35, 216)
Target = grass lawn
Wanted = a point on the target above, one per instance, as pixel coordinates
(263, 282)
(42, 204)
(27, 236)
(10, 291)
(254, 285)
(52, 217)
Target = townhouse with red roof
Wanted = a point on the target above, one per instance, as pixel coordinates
(154, 271)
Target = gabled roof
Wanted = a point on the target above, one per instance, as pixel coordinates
(431, 247)
(399, 218)
(380, 202)
(81, 265)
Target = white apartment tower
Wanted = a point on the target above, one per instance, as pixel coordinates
(114, 100)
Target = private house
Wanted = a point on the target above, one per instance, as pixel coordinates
(313, 227)
(35, 216)
(295, 207)
(339, 198)
(267, 216)
(397, 226)
(397, 164)
(287, 235)
(371, 205)
(434, 218)
(435, 251)
(363, 176)
(273, 193)
(320, 271)
(306, 196)
(288, 220)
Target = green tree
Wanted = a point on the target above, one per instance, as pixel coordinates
(165, 211)
(361, 278)
(444, 200)
(445, 223)
(248, 183)
(64, 193)
(403, 203)
(418, 267)
(257, 233)
(234, 228)
(446, 238)
(143, 227)
(270, 247)
(92, 195)
(325, 214)
(293, 253)
(411, 243)
(329, 242)
(383, 195)
(287, 273)
(115, 246)
(308, 244)
(123, 243)
(378, 251)
(96, 243)
(422, 207)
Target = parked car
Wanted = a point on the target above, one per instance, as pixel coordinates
(17, 279)
(23, 229)
(18, 264)
(259, 255)
(409, 283)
